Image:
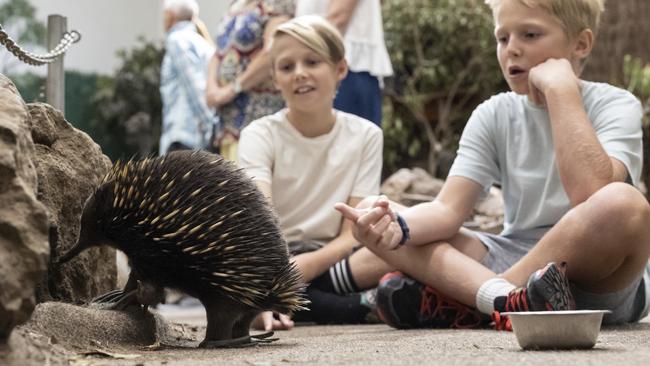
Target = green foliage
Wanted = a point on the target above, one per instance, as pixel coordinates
(17, 18)
(636, 74)
(398, 140)
(80, 89)
(637, 79)
(30, 86)
(443, 54)
(128, 104)
(20, 13)
(122, 113)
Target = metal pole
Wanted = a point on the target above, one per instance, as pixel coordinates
(55, 86)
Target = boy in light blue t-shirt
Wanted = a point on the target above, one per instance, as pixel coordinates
(567, 154)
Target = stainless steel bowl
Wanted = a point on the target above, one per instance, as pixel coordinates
(556, 329)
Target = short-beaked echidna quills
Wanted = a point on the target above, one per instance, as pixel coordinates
(192, 221)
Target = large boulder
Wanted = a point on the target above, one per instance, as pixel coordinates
(24, 249)
(69, 165)
(411, 186)
(47, 170)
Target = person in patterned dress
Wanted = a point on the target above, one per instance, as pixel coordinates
(239, 81)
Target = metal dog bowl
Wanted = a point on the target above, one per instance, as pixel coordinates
(556, 329)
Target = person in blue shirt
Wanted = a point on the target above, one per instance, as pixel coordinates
(187, 121)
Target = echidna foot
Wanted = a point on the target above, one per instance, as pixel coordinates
(245, 341)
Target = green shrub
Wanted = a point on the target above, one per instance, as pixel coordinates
(128, 106)
(636, 74)
(80, 89)
(637, 79)
(122, 113)
(443, 54)
(31, 86)
(18, 19)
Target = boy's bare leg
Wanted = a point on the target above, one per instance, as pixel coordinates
(605, 241)
(452, 268)
(368, 267)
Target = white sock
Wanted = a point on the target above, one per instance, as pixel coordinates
(490, 290)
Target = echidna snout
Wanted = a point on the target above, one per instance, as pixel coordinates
(89, 233)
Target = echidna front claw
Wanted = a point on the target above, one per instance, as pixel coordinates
(115, 300)
(245, 341)
(264, 336)
(108, 297)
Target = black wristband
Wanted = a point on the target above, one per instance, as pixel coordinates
(405, 229)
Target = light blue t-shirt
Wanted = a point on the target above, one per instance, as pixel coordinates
(508, 141)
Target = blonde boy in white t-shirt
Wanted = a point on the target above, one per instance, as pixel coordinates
(309, 156)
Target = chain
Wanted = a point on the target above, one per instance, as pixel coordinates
(34, 59)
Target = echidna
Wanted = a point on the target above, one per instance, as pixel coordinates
(192, 221)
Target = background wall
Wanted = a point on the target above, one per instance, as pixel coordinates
(107, 26)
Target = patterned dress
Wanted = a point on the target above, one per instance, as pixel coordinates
(239, 37)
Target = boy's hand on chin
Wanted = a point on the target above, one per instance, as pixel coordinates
(552, 75)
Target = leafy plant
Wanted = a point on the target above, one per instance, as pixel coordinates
(128, 104)
(443, 55)
(18, 18)
(122, 112)
(636, 74)
(637, 78)
(30, 85)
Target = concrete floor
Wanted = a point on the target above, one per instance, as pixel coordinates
(70, 335)
(381, 345)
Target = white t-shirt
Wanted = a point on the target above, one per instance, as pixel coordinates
(508, 141)
(309, 175)
(365, 49)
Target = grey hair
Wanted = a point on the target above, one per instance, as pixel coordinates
(183, 9)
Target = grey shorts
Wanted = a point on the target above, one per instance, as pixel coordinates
(627, 305)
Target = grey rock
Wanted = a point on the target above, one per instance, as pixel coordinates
(69, 165)
(66, 334)
(396, 185)
(424, 183)
(24, 249)
(412, 186)
(47, 170)
(492, 204)
(81, 326)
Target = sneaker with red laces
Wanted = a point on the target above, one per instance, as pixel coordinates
(402, 302)
(548, 289)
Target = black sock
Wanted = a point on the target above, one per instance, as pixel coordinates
(337, 279)
(500, 303)
(330, 308)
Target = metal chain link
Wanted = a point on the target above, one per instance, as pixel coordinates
(33, 59)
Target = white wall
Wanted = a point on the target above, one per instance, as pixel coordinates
(109, 25)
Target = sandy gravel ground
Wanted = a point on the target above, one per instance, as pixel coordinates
(62, 334)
